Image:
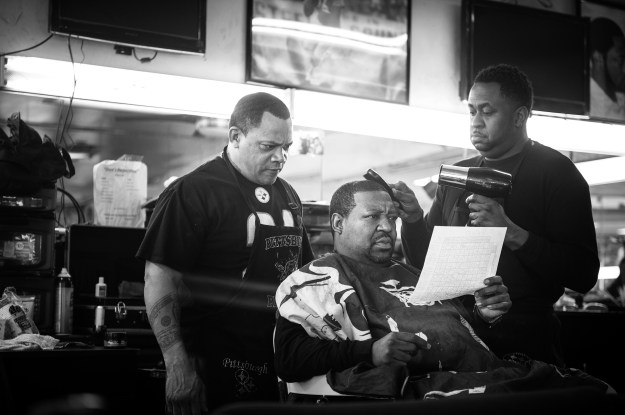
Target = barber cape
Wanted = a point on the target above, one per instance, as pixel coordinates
(338, 299)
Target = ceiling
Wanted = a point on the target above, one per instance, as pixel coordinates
(173, 144)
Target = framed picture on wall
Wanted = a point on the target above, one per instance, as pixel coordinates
(607, 59)
(357, 48)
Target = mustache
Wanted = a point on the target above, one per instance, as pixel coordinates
(382, 235)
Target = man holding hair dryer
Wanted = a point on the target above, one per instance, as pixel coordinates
(550, 241)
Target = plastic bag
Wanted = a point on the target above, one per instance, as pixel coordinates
(14, 318)
(22, 248)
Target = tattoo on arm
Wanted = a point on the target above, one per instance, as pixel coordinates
(163, 318)
(167, 338)
(159, 306)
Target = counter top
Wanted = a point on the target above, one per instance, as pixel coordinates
(74, 352)
(50, 377)
(149, 353)
(591, 341)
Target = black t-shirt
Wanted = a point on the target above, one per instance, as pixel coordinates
(202, 224)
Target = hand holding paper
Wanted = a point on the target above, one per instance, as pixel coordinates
(457, 262)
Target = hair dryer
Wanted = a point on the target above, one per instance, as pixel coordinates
(480, 180)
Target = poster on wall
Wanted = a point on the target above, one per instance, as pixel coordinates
(607, 60)
(347, 47)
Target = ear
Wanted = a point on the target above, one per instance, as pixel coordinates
(234, 136)
(521, 116)
(596, 57)
(336, 221)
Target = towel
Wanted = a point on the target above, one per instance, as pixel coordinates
(27, 341)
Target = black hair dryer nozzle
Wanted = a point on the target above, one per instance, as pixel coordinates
(480, 180)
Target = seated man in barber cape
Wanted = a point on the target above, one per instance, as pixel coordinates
(347, 315)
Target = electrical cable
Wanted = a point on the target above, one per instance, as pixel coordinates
(143, 60)
(28, 48)
(69, 115)
(82, 44)
(61, 138)
(62, 205)
(79, 211)
(67, 122)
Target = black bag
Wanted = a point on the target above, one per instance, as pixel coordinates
(28, 162)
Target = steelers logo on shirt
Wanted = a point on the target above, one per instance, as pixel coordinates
(262, 195)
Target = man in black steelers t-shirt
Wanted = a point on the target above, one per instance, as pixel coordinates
(219, 242)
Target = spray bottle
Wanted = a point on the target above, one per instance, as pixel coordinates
(63, 313)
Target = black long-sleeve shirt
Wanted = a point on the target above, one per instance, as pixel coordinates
(551, 200)
(299, 357)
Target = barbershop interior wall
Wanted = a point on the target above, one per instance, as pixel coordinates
(435, 46)
(434, 67)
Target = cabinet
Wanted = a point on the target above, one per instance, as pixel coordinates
(98, 380)
(592, 341)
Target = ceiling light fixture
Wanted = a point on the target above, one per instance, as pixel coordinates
(100, 85)
(105, 86)
(404, 122)
(603, 171)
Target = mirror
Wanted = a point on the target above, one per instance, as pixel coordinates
(174, 144)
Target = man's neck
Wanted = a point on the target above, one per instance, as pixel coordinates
(233, 160)
(366, 261)
(512, 151)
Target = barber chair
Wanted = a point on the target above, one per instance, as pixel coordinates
(315, 389)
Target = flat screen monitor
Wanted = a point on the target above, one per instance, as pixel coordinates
(177, 26)
(95, 251)
(551, 48)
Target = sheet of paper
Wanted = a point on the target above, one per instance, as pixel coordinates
(457, 262)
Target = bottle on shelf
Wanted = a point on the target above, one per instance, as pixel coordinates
(99, 326)
(100, 288)
(63, 313)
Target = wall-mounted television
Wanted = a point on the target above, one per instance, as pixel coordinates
(353, 48)
(170, 25)
(551, 48)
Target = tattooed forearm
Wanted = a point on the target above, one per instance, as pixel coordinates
(167, 337)
(163, 318)
(159, 306)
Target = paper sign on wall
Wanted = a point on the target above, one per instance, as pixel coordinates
(119, 188)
